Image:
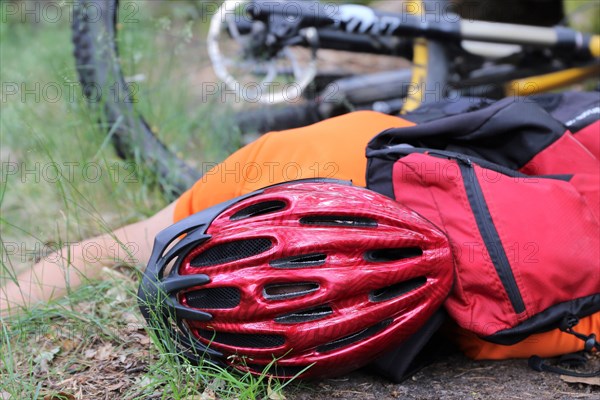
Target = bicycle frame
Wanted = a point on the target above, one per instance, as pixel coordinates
(555, 80)
(433, 36)
(479, 31)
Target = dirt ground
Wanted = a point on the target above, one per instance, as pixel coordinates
(89, 367)
(454, 377)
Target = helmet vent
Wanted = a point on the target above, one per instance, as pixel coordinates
(231, 251)
(387, 255)
(305, 315)
(302, 261)
(215, 298)
(339, 220)
(254, 341)
(397, 289)
(355, 337)
(281, 291)
(278, 370)
(265, 207)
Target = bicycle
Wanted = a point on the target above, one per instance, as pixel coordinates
(453, 56)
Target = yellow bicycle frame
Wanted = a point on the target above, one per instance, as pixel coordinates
(555, 80)
(419, 69)
(491, 31)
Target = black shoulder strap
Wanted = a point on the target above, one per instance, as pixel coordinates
(509, 132)
(420, 350)
(576, 110)
(541, 365)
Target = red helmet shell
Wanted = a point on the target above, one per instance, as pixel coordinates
(314, 274)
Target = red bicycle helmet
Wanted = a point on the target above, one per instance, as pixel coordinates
(319, 275)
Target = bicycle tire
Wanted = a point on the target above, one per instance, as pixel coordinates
(343, 95)
(279, 118)
(97, 63)
(96, 58)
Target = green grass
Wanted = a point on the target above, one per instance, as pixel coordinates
(583, 15)
(58, 177)
(94, 340)
(62, 181)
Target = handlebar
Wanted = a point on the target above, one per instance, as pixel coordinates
(362, 29)
(336, 39)
(270, 28)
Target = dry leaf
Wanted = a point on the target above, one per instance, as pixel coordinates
(274, 394)
(210, 390)
(118, 294)
(104, 352)
(59, 396)
(90, 353)
(116, 275)
(43, 359)
(85, 307)
(134, 327)
(207, 394)
(131, 318)
(141, 339)
(5, 395)
(145, 381)
(68, 345)
(116, 386)
(594, 381)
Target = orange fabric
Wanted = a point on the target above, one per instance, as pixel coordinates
(334, 148)
(547, 344)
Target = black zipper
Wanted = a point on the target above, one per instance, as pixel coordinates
(483, 218)
(488, 232)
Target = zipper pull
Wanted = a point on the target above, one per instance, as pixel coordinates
(567, 324)
(464, 159)
(450, 156)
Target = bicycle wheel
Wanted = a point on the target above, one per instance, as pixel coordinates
(97, 59)
(112, 41)
(135, 62)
